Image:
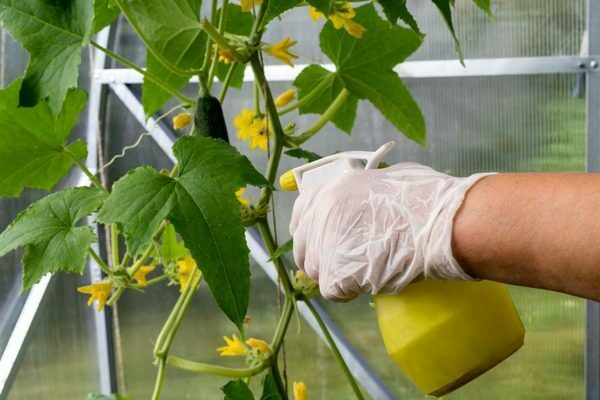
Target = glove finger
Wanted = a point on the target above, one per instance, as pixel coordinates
(302, 203)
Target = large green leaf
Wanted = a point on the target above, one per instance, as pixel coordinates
(170, 29)
(33, 152)
(237, 390)
(238, 23)
(202, 206)
(173, 35)
(396, 9)
(365, 67)
(153, 96)
(312, 76)
(445, 8)
(104, 14)
(276, 8)
(48, 230)
(54, 33)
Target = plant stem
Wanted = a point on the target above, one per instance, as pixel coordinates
(158, 279)
(160, 376)
(164, 332)
(278, 381)
(317, 90)
(157, 81)
(219, 39)
(114, 241)
(267, 236)
(227, 82)
(257, 28)
(193, 366)
(256, 97)
(334, 349)
(326, 117)
(99, 261)
(275, 125)
(282, 325)
(147, 252)
(215, 61)
(180, 314)
(85, 170)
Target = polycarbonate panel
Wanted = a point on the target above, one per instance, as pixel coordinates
(59, 359)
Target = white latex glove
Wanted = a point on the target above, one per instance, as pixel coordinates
(378, 230)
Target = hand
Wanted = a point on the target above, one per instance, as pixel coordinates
(378, 230)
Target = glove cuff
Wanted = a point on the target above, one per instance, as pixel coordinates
(439, 262)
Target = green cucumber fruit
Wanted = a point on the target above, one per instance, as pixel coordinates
(209, 120)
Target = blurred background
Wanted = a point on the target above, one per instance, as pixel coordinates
(529, 122)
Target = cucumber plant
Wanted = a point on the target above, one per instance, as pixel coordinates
(186, 225)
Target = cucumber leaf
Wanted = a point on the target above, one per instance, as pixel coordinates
(484, 5)
(153, 96)
(202, 206)
(171, 249)
(237, 390)
(48, 230)
(365, 68)
(270, 391)
(104, 14)
(396, 9)
(312, 76)
(172, 33)
(33, 152)
(322, 5)
(276, 8)
(445, 8)
(54, 33)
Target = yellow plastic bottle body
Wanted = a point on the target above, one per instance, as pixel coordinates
(443, 334)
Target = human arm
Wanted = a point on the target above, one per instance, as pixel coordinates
(376, 231)
(532, 229)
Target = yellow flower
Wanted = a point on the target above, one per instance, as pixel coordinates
(260, 134)
(248, 5)
(140, 274)
(181, 120)
(300, 391)
(234, 347)
(97, 291)
(260, 345)
(225, 56)
(353, 28)
(284, 98)
(280, 50)
(186, 266)
(315, 14)
(244, 122)
(239, 195)
(341, 17)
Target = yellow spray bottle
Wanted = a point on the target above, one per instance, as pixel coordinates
(442, 334)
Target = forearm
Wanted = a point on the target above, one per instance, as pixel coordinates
(537, 230)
